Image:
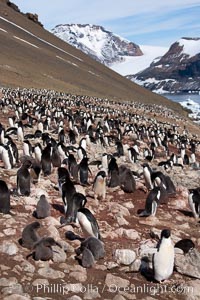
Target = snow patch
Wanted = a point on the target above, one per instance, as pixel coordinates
(190, 47)
(133, 65)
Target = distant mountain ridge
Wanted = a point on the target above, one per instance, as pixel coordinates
(97, 42)
(176, 71)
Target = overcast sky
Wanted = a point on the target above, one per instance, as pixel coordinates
(145, 22)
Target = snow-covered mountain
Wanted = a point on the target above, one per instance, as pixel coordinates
(102, 45)
(176, 71)
(133, 65)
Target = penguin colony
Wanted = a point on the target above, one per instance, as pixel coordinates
(49, 133)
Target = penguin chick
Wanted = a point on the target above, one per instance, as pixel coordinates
(99, 185)
(163, 259)
(29, 235)
(24, 179)
(87, 260)
(94, 245)
(127, 181)
(43, 208)
(43, 250)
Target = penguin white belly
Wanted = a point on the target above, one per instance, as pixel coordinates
(85, 225)
(6, 160)
(20, 134)
(100, 187)
(164, 261)
(38, 154)
(147, 178)
(26, 149)
(104, 162)
(80, 154)
(130, 157)
(192, 205)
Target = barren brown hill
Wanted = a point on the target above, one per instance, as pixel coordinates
(30, 56)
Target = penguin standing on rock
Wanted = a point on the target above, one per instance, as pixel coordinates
(83, 171)
(6, 157)
(194, 202)
(88, 223)
(73, 167)
(163, 259)
(156, 196)
(66, 186)
(46, 160)
(99, 185)
(24, 179)
(113, 173)
(4, 198)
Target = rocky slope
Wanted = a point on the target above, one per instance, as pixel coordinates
(177, 71)
(129, 240)
(97, 42)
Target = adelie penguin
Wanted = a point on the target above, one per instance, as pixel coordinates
(158, 178)
(6, 157)
(24, 179)
(73, 167)
(156, 196)
(194, 201)
(75, 202)
(46, 160)
(66, 186)
(77, 213)
(84, 171)
(99, 185)
(88, 223)
(4, 198)
(163, 259)
(113, 173)
(185, 245)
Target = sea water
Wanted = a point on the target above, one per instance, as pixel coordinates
(190, 101)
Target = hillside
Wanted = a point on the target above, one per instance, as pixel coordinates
(33, 57)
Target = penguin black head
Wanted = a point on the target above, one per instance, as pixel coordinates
(165, 233)
(101, 173)
(35, 225)
(78, 201)
(49, 241)
(27, 164)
